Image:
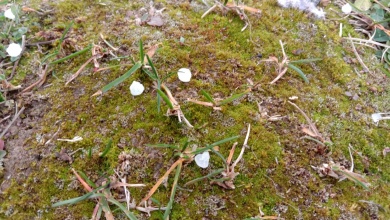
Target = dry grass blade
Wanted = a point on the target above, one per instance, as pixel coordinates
(158, 183)
(42, 79)
(75, 75)
(81, 180)
(313, 128)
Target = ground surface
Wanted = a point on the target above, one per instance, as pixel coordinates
(276, 173)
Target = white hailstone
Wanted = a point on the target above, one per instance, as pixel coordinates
(202, 159)
(376, 117)
(14, 50)
(184, 74)
(346, 9)
(8, 14)
(136, 88)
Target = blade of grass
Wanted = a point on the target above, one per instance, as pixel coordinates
(141, 52)
(129, 214)
(163, 146)
(107, 149)
(299, 71)
(71, 55)
(207, 96)
(216, 172)
(185, 145)
(353, 176)
(306, 60)
(153, 68)
(82, 174)
(215, 144)
(75, 200)
(165, 98)
(173, 192)
(220, 155)
(67, 29)
(120, 79)
(232, 98)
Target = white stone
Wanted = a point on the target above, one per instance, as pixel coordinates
(14, 50)
(346, 9)
(136, 88)
(8, 14)
(184, 74)
(202, 160)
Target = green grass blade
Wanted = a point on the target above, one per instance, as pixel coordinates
(73, 200)
(129, 214)
(207, 96)
(216, 172)
(141, 52)
(122, 78)
(151, 75)
(185, 145)
(72, 55)
(215, 144)
(82, 174)
(220, 156)
(2, 99)
(306, 60)
(163, 146)
(165, 98)
(67, 29)
(153, 68)
(107, 149)
(158, 96)
(232, 98)
(352, 176)
(173, 192)
(299, 71)
(224, 141)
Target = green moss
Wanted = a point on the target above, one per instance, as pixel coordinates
(276, 168)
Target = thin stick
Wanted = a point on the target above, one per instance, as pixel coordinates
(358, 56)
(13, 120)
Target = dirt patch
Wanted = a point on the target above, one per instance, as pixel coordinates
(20, 136)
